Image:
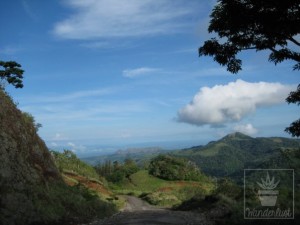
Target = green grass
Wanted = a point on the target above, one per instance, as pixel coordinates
(68, 162)
(139, 183)
(161, 192)
(144, 182)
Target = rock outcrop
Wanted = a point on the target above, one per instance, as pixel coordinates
(26, 166)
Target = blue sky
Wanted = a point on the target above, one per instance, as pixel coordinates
(115, 73)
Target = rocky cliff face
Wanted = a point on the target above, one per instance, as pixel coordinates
(25, 166)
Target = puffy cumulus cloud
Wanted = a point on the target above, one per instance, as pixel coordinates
(227, 103)
(245, 129)
(131, 73)
(115, 18)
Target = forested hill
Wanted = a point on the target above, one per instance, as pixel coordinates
(235, 152)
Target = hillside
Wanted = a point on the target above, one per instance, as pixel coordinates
(235, 152)
(32, 189)
(76, 172)
(25, 164)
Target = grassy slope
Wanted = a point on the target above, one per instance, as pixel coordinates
(77, 173)
(161, 192)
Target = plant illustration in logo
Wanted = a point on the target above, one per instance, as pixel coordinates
(267, 195)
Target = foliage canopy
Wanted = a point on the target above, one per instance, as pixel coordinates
(259, 25)
(117, 172)
(173, 168)
(12, 73)
(251, 24)
(294, 128)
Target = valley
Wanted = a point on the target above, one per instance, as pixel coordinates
(226, 157)
(198, 185)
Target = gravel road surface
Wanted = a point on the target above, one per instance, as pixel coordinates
(139, 212)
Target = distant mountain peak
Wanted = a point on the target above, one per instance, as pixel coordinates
(237, 135)
(231, 154)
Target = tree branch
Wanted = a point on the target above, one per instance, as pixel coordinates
(287, 55)
(294, 41)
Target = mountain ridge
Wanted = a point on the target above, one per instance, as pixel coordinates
(234, 152)
(227, 156)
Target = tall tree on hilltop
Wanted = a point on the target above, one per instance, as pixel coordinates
(260, 25)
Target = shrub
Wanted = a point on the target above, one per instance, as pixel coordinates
(228, 188)
(173, 168)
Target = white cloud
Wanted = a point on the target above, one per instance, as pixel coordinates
(115, 18)
(53, 144)
(231, 102)
(108, 45)
(126, 134)
(8, 50)
(59, 137)
(73, 96)
(71, 144)
(131, 73)
(245, 129)
(76, 148)
(96, 44)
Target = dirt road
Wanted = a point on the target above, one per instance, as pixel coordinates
(138, 212)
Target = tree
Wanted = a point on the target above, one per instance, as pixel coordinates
(294, 128)
(11, 73)
(117, 172)
(255, 24)
(173, 168)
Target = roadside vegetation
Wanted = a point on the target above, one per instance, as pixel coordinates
(64, 204)
(173, 168)
(117, 172)
(67, 161)
(82, 197)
